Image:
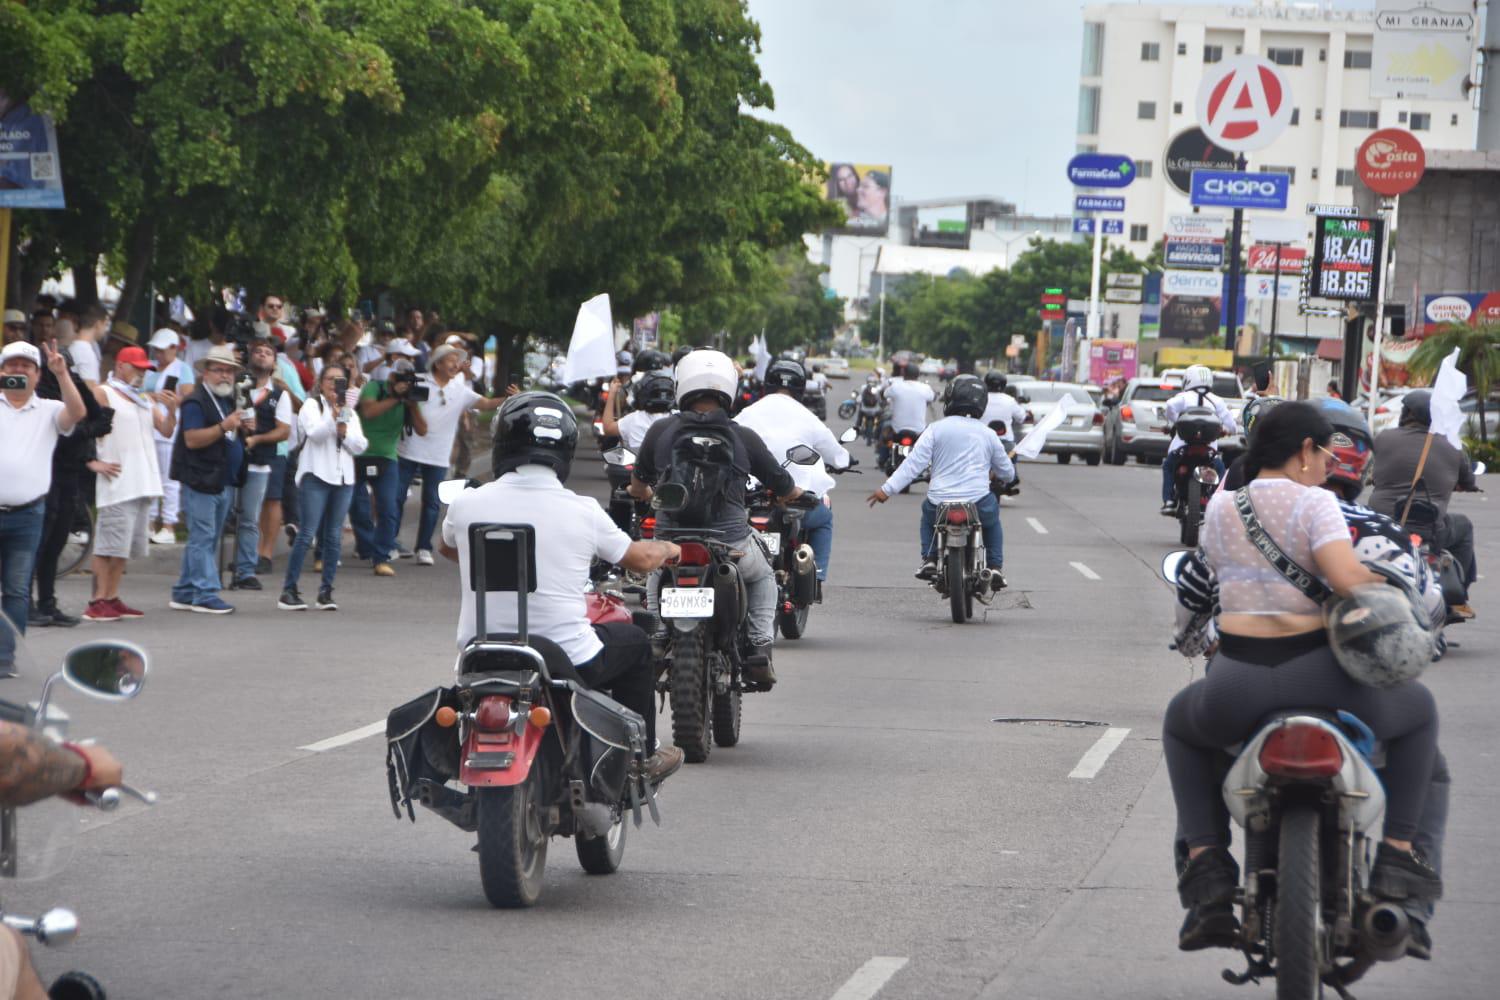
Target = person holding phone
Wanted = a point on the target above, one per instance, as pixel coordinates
(171, 375)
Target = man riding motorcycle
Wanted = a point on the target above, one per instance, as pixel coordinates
(783, 423)
(655, 394)
(1197, 382)
(963, 455)
(909, 399)
(706, 383)
(1447, 469)
(535, 437)
(1001, 407)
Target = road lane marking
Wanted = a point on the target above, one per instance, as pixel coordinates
(1088, 574)
(1036, 526)
(1094, 759)
(870, 978)
(343, 739)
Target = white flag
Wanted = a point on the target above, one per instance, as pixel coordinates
(762, 355)
(591, 352)
(1031, 444)
(1447, 389)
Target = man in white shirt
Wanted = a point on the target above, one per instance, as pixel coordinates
(783, 423)
(1196, 383)
(85, 350)
(1001, 407)
(908, 398)
(449, 398)
(29, 428)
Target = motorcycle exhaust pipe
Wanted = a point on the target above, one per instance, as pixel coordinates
(1384, 929)
(804, 576)
(726, 582)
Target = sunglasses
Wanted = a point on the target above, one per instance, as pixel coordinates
(274, 305)
(1330, 454)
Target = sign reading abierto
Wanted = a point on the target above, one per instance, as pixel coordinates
(1244, 103)
(1346, 258)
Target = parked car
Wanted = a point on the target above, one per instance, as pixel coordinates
(832, 367)
(1082, 433)
(930, 366)
(1388, 413)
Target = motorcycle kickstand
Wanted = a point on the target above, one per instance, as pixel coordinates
(1256, 970)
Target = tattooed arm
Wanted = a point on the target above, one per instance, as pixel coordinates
(32, 768)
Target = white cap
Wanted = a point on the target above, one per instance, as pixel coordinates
(402, 347)
(15, 316)
(22, 350)
(457, 341)
(164, 338)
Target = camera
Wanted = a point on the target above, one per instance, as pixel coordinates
(241, 331)
(17, 383)
(415, 393)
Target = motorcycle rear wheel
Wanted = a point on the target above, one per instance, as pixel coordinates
(958, 592)
(726, 712)
(692, 695)
(1298, 927)
(602, 855)
(512, 846)
(793, 623)
(1192, 516)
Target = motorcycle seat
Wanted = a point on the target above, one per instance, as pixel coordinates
(480, 660)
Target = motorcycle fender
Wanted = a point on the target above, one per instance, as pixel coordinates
(1364, 795)
(957, 539)
(686, 626)
(522, 747)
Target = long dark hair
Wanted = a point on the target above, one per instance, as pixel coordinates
(1279, 434)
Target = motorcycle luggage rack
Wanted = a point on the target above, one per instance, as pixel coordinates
(502, 557)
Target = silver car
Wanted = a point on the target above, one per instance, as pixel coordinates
(1136, 426)
(1082, 433)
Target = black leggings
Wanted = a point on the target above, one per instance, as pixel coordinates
(622, 669)
(1251, 678)
(62, 505)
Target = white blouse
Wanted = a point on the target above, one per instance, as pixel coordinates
(323, 455)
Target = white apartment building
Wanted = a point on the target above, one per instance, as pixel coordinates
(1142, 65)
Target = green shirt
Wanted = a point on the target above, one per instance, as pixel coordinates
(383, 431)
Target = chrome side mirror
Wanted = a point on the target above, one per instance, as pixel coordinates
(113, 671)
(1171, 564)
(849, 435)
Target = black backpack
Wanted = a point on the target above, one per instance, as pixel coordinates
(702, 461)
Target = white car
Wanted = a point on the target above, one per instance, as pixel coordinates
(832, 367)
(930, 366)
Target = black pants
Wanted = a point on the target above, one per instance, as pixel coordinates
(622, 669)
(291, 510)
(62, 502)
(1456, 536)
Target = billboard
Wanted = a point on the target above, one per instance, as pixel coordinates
(1190, 304)
(864, 190)
(1473, 308)
(1189, 151)
(1346, 258)
(1422, 49)
(1194, 253)
(30, 176)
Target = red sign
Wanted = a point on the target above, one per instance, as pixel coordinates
(1262, 257)
(1054, 300)
(1390, 162)
(1050, 313)
(1244, 103)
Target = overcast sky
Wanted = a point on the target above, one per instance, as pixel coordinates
(961, 97)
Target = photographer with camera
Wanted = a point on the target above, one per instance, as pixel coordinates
(265, 406)
(388, 410)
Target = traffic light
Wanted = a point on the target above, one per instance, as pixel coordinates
(1054, 304)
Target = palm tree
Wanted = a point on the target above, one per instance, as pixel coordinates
(1478, 358)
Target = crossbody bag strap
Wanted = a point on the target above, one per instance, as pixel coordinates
(1312, 588)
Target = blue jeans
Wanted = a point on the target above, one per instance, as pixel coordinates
(817, 529)
(1168, 468)
(989, 520)
(432, 476)
(374, 539)
(324, 505)
(20, 536)
(248, 502)
(205, 514)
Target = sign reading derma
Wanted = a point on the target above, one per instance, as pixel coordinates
(1230, 189)
(1102, 170)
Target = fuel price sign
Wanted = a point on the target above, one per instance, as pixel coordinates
(1346, 258)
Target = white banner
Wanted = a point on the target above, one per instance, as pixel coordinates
(1422, 50)
(1031, 444)
(762, 356)
(591, 352)
(1447, 389)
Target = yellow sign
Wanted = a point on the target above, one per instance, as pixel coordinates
(1181, 357)
(864, 190)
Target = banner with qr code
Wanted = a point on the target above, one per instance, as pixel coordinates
(30, 176)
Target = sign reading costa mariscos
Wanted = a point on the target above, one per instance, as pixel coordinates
(1390, 162)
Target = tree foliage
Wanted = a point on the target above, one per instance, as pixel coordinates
(1477, 347)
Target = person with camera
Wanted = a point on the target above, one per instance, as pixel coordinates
(388, 410)
(265, 407)
(332, 439)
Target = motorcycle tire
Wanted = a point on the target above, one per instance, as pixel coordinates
(958, 596)
(1298, 926)
(726, 709)
(512, 846)
(1192, 514)
(692, 695)
(75, 986)
(602, 855)
(847, 411)
(793, 623)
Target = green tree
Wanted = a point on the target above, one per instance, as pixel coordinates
(1477, 347)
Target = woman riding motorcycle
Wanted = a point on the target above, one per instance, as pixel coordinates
(1275, 653)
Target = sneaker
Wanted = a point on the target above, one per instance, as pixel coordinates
(177, 605)
(163, 536)
(290, 600)
(928, 572)
(424, 557)
(997, 579)
(325, 600)
(36, 617)
(262, 565)
(1206, 888)
(663, 764)
(385, 569)
(758, 670)
(101, 611)
(56, 617)
(213, 606)
(1399, 875)
(246, 583)
(125, 610)
(401, 552)
(1169, 510)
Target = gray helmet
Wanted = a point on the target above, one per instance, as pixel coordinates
(1416, 409)
(1380, 634)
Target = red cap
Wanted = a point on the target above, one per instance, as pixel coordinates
(135, 357)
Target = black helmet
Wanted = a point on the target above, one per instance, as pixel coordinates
(995, 381)
(681, 353)
(965, 397)
(1254, 410)
(657, 392)
(786, 374)
(534, 428)
(1416, 409)
(650, 360)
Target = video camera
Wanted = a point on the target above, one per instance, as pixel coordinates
(416, 392)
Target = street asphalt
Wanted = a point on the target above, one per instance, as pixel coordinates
(877, 832)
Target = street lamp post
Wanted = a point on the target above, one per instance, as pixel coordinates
(1034, 234)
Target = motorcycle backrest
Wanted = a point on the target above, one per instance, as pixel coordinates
(502, 557)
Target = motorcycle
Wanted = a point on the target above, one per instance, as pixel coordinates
(106, 670)
(962, 573)
(898, 449)
(816, 402)
(1305, 790)
(1423, 519)
(703, 602)
(1195, 479)
(628, 513)
(849, 407)
(538, 754)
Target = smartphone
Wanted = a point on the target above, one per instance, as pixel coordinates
(340, 386)
(170, 385)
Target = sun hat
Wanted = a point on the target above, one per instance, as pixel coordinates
(218, 354)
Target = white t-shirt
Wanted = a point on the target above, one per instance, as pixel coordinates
(782, 423)
(909, 399)
(570, 531)
(183, 373)
(443, 411)
(30, 434)
(634, 425)
(371, 352)
(86, 359)
(1003, 407)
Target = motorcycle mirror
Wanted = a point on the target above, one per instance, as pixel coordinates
(848, 436)
(449, 489)
(1171, 564)
(669, 497)
(801, 454)
(619, 456)
(114, 671)
(1479, 468)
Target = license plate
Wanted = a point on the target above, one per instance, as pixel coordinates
(1080, 421)
(773, 542)
(687, 602)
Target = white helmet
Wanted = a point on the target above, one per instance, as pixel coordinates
(1197, 377)
(706, 372)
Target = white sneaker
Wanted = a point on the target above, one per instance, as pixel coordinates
(165, 536)
(424, 557)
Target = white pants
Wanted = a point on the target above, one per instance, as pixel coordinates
(166, 508)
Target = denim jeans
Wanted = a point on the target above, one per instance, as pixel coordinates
(1168, 473)
(817, 529)
(205, 514)
(989, 520)
(374, 539)
(325, 505)
(248, 502)
(20, 536)
(432, 476)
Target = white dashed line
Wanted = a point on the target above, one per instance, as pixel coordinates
(1088, 574)
(1093, 761)
(343, 739)
(1036, 526)
(870, 978)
